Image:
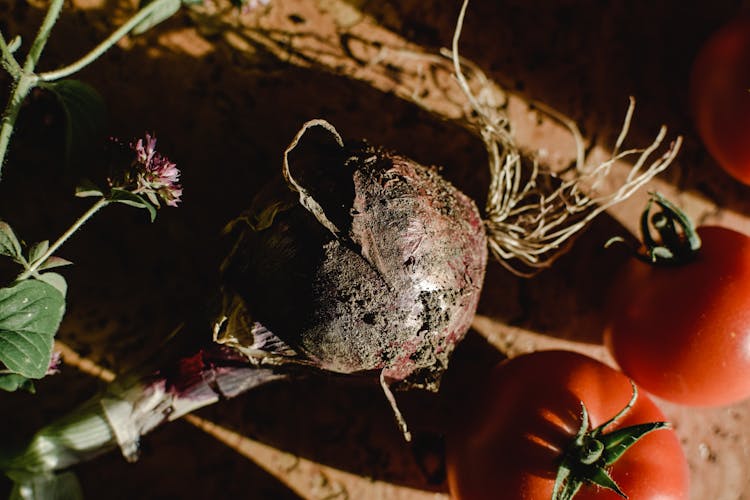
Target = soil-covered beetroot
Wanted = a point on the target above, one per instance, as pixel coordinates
(386, 276)
(375, 266)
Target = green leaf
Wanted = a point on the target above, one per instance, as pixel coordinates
(566, 486)
(64, 486)
(617, 442)
(87, 188)
(30, 314)
(165, 10)
(133, 200)
(603, 479)
(53, 262)
(9, 244)
(561, 482)
(12, 382)
(85, 114)
(37, 250)
(56, 280)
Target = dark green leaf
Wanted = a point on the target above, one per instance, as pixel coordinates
(64, 486)
(567, 489)
(600, 477)
(165, 10)
(12, 382)
(617, 442)
(53, 262)
(30, 313)
(561, 481)
(584, 424)
(85, 114)
(37, 250)
(9, 244)
(134, 200)
(87, 188)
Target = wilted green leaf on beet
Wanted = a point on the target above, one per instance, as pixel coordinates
(30, 314)
(134, 200)
(85, 115)
(12, 382)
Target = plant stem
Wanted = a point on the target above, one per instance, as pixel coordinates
(134, 405)
(43, 35)
(105, 45)
(25, 78)
(102, 202)
(21, 89)
(7, 60)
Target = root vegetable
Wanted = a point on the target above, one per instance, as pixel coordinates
(386, 279)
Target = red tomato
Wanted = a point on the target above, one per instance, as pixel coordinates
(509, 440)
(683, 332)
(720, 97)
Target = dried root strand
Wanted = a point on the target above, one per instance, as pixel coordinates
(529, 226)
(533, 213)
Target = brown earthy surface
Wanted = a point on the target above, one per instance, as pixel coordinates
(225, 98)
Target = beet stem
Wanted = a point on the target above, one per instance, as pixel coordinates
(133, 405)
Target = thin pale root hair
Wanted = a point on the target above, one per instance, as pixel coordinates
(532, 213)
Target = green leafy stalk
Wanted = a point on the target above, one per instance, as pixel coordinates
(53, 12)
(590, 453)
(116, 196)
(20, 90)
(25, 79)
(149, 11)
(7, 60)
(133, 405)
(81, 434)
(31, 309)
(33, 266)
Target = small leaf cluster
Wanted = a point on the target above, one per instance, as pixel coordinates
(31, 309)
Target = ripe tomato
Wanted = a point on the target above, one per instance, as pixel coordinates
(508, 443)
(682, 332)
(720, 97)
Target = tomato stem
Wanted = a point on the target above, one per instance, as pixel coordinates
(678, 241)
(591, 451)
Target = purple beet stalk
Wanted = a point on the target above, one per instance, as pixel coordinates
(135, 404)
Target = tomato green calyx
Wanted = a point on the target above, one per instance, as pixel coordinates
(678, 241)
(587, 457)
